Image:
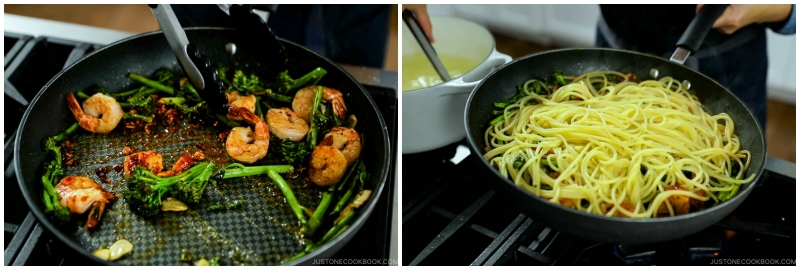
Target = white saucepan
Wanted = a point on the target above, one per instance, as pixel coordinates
(433, 116)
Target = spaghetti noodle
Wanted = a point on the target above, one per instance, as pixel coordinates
(608, 145)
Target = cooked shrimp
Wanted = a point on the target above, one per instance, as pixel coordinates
(327, 165)
(154, 162)
(81, 193)
(347, 141)
(100, 113)
(236, 100)
(185, 162)
(304, 100)
(243, 144)
(679, 203)
(285, 123)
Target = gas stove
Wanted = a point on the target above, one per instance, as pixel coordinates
(452, 215)
(36, 50)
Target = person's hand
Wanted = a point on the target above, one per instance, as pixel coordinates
(738, 16)
(421, 13)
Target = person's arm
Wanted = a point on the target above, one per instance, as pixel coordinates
(737, 16)
(789, 27)
(421, 12)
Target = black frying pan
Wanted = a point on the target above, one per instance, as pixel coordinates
(501, 85)
(48, 115)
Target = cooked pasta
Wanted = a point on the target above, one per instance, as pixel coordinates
(609, 145)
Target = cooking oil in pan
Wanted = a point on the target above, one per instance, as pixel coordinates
(418, 71)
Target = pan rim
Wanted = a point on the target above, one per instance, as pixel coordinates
(486, 166)
(347, 234)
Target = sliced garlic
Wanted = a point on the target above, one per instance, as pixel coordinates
(362, 197)
(171, 204)
(202, 262)
(103, 254)
(120, 248)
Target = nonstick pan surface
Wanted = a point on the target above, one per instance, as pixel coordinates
(501, 85)
(259, 233)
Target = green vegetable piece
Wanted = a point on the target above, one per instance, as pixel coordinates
(547, 163)
(146, 189)
(151, 83)
(133, 116)
(286, 83)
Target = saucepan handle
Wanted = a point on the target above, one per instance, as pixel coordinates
(696, 32)
(465, 84)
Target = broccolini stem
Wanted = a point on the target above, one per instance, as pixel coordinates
(275, 96)
(497, 120)
(48, 205)
(133, 116)
(273, 171)
(313, 129)
(547, 163)
(81, 95)
(51, 143)
(512, 100)
(343, 201)
(67, 132)
(259, 112)
(151, 83)
(357, 178)
(266, 105)
(349, 173)
(177, 101)
(337, 229)
(727, 195)
(128, 93)
(287, 192)
(238, 170)
(314, 75)
(316, 218)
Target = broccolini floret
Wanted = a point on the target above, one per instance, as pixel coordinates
(53, 172)
(146, 190)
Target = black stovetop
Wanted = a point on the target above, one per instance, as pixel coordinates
(452, 215)
(30, 62)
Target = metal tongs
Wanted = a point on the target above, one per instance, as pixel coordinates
(413, 25)
(256, 37)
(198, 68)
(696, 32)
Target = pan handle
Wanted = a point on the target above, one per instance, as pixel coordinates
(696, 32)
(465, 84)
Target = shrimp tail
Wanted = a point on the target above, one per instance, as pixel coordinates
(95, 214)
(327, 141)
(73, 105)
(339, 108)
(243, 113)
(85, 121)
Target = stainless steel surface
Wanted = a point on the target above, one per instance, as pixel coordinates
(12, 92)
(69, 31)
(178, 42)
(680, 55)
(782, 167)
